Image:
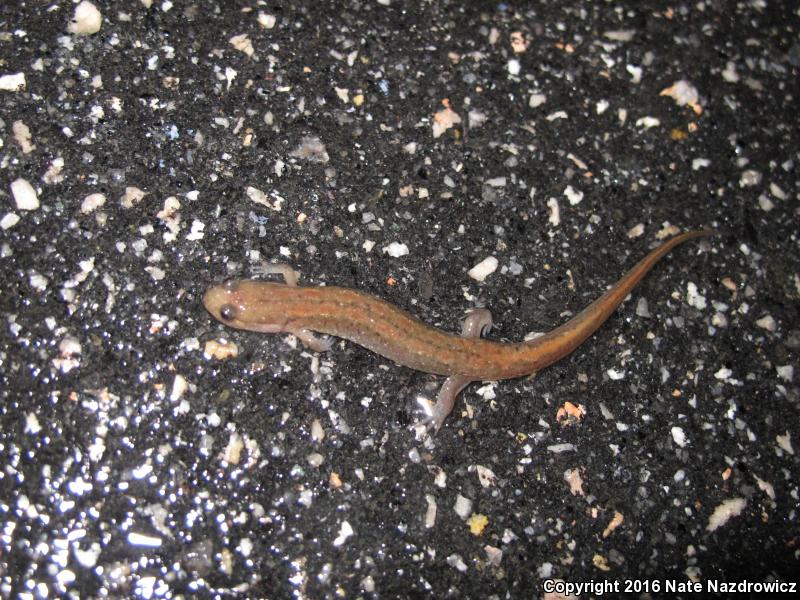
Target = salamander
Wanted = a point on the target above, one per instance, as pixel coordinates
(385, 329)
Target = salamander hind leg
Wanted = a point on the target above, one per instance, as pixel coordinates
(445, 402)
(477, 323)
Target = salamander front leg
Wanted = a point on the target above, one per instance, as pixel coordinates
(477, 323)
(290, 276)
(445, 401)
(314, 342)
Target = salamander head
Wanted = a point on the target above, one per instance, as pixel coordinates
(244, 305)
(223, 303)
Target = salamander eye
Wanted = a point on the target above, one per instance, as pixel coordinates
(227, 312)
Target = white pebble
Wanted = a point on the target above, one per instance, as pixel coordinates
(38, 281)
(776, 191)
(345, 531)
(266, 21)
(86, 20)
(767, 322)
(574, 196)
(729, 74)
(694, 298)
(12, 82)
(536, 100)
(785, 372)
(545, 570)
(555, 212)
(396, 249)
(486, 476)
(723, 373)
(493, 554)
(635, 231)
(430, 512)
(559, 448)
(92, 202)
(141, 539)
(197, 231)
(749, 178)
(785, 442)
(315, 459)
(9, 220)
(679, 437)
(69, 346)
(24, 195)
(463, 506)
(317, 431)
(22, 135)
(724, 512)
(684, 93)
(642, 309)
(242, 43)
(496, 182)
(648, 122)
(179, 388)
(719, 320)
(483, 269)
